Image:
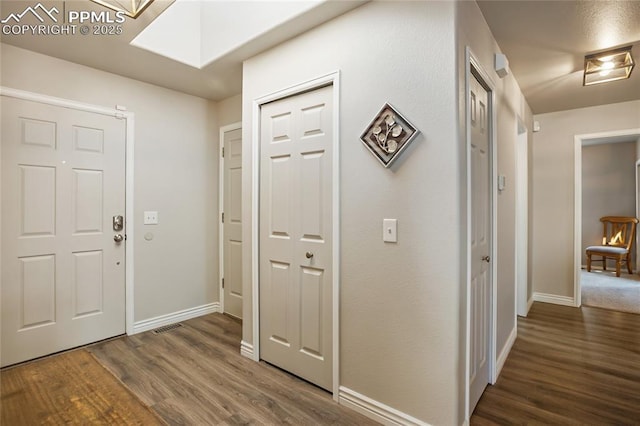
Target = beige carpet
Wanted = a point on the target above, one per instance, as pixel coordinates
(602, 289)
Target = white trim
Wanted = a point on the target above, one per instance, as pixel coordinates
(332, 79)
(577, 222)
(529, 304)
(637, 175)
(554, 299)
(376, 410)
(174, 317)
(223, 130)
(246, 349)
(129, 118)
(522, 218)
(504, 353)
(471, 61)
(579, 141)
(255, 228)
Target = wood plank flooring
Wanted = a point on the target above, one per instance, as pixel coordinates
(195, 375)
(71, 388)
(568, 366)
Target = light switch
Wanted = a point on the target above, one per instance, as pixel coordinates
(390, 230)
(150, 218)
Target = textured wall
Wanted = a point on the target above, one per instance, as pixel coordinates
(510, 108)
(399, 303)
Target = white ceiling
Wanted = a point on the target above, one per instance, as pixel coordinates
(207, 34)
(545, 42)
(218, 79)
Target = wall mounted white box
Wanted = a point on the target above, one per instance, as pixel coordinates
(150, 218)
(390, 230)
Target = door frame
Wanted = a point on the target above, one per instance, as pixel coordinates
(331, 79)
(523, 303)
(579, 141)
(472, 63)
(121, 113)
(221, 182)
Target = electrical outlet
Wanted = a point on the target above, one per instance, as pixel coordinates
(150, 218)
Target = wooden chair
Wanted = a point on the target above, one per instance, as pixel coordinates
(617, 239)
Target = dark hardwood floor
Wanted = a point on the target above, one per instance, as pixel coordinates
(568, 366)
(195, 375)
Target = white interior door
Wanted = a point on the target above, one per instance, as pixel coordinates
(233, 222)
(296, 235)
(63, 179)
(480, 241)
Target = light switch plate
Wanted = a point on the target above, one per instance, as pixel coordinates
(150, 218)
(390, 230)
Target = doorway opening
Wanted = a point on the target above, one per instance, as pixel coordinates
(606, 184)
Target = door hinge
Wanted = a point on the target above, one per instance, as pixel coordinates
(222, 217)
(222, 152)
(223, 283)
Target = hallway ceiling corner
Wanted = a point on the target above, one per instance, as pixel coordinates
(546, 42)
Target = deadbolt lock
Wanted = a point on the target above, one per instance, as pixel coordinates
(118, 223)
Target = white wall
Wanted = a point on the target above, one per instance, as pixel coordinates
(229, 111)
(399, 303)
(608, 188)
(510, 107)
(176, 169)
(554, 187)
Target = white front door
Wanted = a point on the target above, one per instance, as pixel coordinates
(233, 222)
(296, 235)
(62, 272)
(480, 241)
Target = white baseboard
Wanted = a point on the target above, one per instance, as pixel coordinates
(502, 358)
(555, 299)
(375, 410)
(246, 350)
(174, 317)
(529, 304)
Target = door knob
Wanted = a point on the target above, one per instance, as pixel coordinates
(118, 238)
(486, 259)
(309, 255)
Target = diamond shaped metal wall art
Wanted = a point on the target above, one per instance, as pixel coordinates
(388, 135)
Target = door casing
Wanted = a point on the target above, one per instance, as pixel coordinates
(120, 113)
(332, 79)
(523, 303)
(471, 63)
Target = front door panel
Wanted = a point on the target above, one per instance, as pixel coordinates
(62, 271)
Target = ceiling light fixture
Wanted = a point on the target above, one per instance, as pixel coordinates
(131, 8)
(607, 66)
